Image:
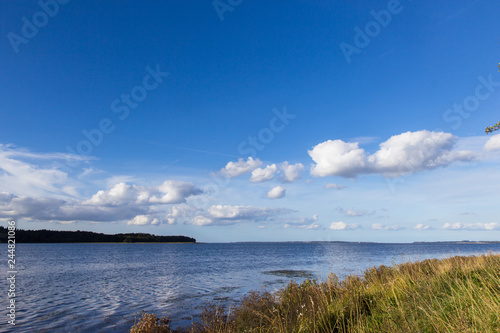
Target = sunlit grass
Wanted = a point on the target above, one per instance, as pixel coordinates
(459, 294)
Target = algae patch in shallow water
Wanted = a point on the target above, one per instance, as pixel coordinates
(288, 273)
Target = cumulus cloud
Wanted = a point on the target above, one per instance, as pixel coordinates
(337, 158)
(276, 192)
(378, 226)
(263, 175)
(120, 202)
(144, 220)
(334, 186)
(400, 155)
(352, 212)
(49, 209)
(234, 169)
(344, 226)
(471, 226)
(227, 214)
(202, 220)
(493, 143)
(291, 171)
(170, 192)
(177, 213)
(422, 227)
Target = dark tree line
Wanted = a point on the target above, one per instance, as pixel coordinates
(52, 236)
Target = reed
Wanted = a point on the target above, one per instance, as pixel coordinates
(458, 294)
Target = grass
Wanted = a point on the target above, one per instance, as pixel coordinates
(459, 294)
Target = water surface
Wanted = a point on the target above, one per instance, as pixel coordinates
(101, 287)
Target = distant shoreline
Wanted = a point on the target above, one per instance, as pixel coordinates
(82, 237)
(355, 242)
(64, 237)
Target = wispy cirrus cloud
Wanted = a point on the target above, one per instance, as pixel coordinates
(307, 223)
(352, 212)
(34, 174)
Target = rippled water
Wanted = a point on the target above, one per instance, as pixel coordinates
(101, 287)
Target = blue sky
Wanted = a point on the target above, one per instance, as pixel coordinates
(243, 121)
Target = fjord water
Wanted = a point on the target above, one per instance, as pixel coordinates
(101, 287)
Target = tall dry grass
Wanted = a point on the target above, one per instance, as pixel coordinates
(459, 294)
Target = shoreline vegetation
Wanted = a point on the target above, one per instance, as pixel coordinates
(458, 294)
(53, 236)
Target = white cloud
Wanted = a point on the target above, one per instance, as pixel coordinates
(334, 186)
(344, 226)
(400, 155)
(263, 175)
(292, 171)
(352, 212)
(121, 202)
(234, 169)
(170, 192)
(179, 212)
(201, 220)
(227, 214)
(144, 220)
(276, 192)
(471, 226)
(422, 227)
(493, 143)
(173, 191)
(119, 194)
(21, 177)
(49, 209)
(337, 158)
(378, 226)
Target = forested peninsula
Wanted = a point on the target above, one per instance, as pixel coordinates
(54, 236)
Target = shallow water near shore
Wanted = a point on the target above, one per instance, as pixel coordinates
(102, 287)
